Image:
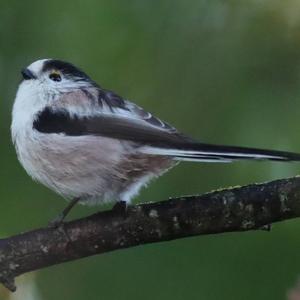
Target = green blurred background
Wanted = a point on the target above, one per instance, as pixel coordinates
(222, 71)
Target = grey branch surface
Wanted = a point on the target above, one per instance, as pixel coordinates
(233, 209)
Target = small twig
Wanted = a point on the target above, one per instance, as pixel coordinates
(234, 209)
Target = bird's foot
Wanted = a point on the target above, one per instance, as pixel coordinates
(57, 221)
(59, 225)
(120, 207)
(266, 227)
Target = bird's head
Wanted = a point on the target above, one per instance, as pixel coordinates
(46, 82)
(54, 76)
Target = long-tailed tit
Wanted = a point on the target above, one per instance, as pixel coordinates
(90, 145)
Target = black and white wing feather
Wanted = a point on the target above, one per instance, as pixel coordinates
(117, 118)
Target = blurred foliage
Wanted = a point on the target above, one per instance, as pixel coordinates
(222, 71)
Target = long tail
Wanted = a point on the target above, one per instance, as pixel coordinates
(220, 153)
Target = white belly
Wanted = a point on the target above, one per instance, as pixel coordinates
(96, 169)
(83, 167)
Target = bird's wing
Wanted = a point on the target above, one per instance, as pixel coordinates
(123, 108)
(116, 118)
(108, 125)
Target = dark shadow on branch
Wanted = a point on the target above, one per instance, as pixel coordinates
(234, 209)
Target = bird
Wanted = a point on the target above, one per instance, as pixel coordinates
(91, 146)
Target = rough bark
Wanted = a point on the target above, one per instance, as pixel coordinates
(233, 209)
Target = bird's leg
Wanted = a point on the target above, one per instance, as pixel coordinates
(59, 218)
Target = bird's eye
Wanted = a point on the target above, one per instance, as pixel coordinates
(54, 76)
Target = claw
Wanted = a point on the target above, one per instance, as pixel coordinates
(266, 227)
(120, 207)
(57, 221)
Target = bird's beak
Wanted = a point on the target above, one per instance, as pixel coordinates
(27, 74)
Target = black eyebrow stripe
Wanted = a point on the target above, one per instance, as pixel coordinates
(65, 68)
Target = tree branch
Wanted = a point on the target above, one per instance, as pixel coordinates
(234, 209)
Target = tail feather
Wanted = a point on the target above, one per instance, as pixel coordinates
(219, 153)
